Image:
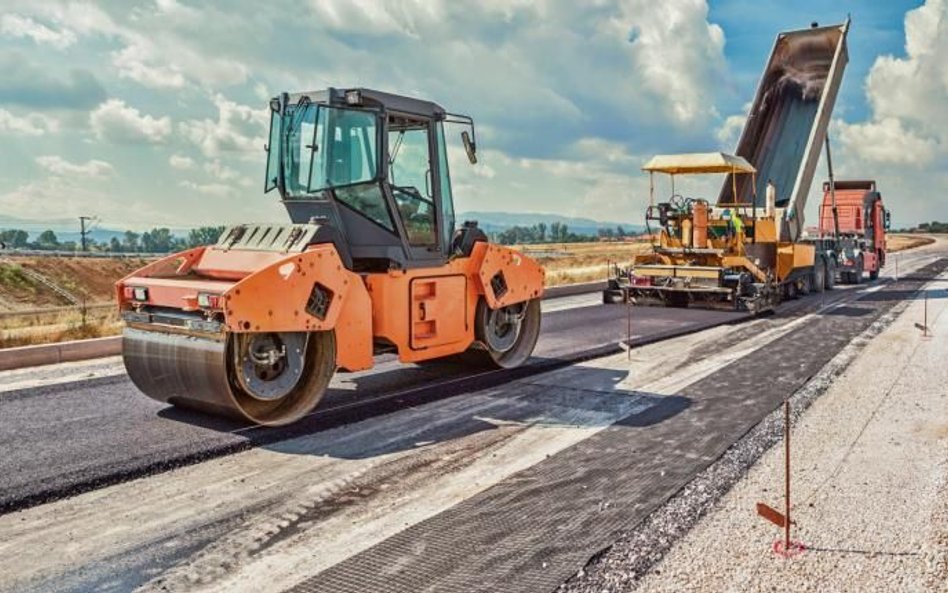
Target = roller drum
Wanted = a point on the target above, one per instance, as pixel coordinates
(198, 373)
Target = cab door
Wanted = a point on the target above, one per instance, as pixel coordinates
(438, 311)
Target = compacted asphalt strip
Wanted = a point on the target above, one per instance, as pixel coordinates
(63, 439)
(536, 528)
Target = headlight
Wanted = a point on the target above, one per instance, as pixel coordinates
(354, 97)
(135, 293)
(208, 301)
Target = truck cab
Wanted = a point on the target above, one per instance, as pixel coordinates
(853, 213)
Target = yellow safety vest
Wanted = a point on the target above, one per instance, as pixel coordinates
(738, 223)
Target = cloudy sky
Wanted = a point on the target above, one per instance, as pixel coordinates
(153, 112)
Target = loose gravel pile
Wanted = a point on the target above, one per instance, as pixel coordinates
(869, 473)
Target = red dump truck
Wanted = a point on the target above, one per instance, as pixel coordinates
(853, 222)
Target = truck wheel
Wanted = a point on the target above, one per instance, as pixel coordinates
(829, 281)
(613, 296)
(874, 275)
(818, 277)
(790, 290)
(857, 274)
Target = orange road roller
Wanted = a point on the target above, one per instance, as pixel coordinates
(254, 326)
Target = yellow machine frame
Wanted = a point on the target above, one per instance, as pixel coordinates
(730, 254)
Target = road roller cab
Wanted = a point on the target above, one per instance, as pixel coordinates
(255, 325)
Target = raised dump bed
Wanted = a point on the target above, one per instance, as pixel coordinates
(786, 126)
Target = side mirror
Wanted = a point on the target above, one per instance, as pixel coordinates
(469, 147)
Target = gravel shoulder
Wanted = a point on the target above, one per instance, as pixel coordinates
(870, 484)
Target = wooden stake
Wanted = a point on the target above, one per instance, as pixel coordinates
(786, 446)
(628, 329)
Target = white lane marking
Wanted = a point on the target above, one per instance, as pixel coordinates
(571, 302)
(57, 374)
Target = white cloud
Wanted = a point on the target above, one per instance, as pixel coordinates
(118, 122)
(67, 196)
(60, 166)
(677, 52)
(19, 26)
(220, 171)
(176, 9)
(238, 128)
(662, 62)
(596, 178)
(138, 62)
(904, 144)
(212, 189)
(180, 162)
(909, 96)
(31, 124)
(729, 134)
(156, 51)
(379, 16)
(888, 141)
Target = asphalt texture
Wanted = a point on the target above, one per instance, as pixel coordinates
(537, 528)
(60, 440)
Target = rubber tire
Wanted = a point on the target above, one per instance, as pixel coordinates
(526, 341)
(874, 275)
(807, 285)
(829, 283)
(790, 291)
(613, 297)
(857, 275)
(818, 277)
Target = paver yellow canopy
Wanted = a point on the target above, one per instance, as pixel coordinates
(256, 325)
(697, 163)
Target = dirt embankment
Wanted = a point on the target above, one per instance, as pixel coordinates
(904, 242)
(566, 263)
(91, 279)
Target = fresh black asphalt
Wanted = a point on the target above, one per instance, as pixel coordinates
(64, 439)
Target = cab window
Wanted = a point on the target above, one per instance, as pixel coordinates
(410, 179)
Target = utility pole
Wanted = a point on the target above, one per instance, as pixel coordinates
(82, 230)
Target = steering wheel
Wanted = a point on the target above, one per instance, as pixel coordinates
(410, 190)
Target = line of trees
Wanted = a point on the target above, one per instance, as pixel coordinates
(933, 227)
(554, 233)
(157, 240)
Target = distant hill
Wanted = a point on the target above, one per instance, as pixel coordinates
(499, 221)
(67, 229)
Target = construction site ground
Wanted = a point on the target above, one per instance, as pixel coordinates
(457, 482)
(869, 485)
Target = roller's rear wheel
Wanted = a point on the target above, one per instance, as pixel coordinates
(508, 334)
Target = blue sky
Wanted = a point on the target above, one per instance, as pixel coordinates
(153, 112)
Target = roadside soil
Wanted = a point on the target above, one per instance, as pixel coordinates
(869, 483)
(92, 279)
(904, 242)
